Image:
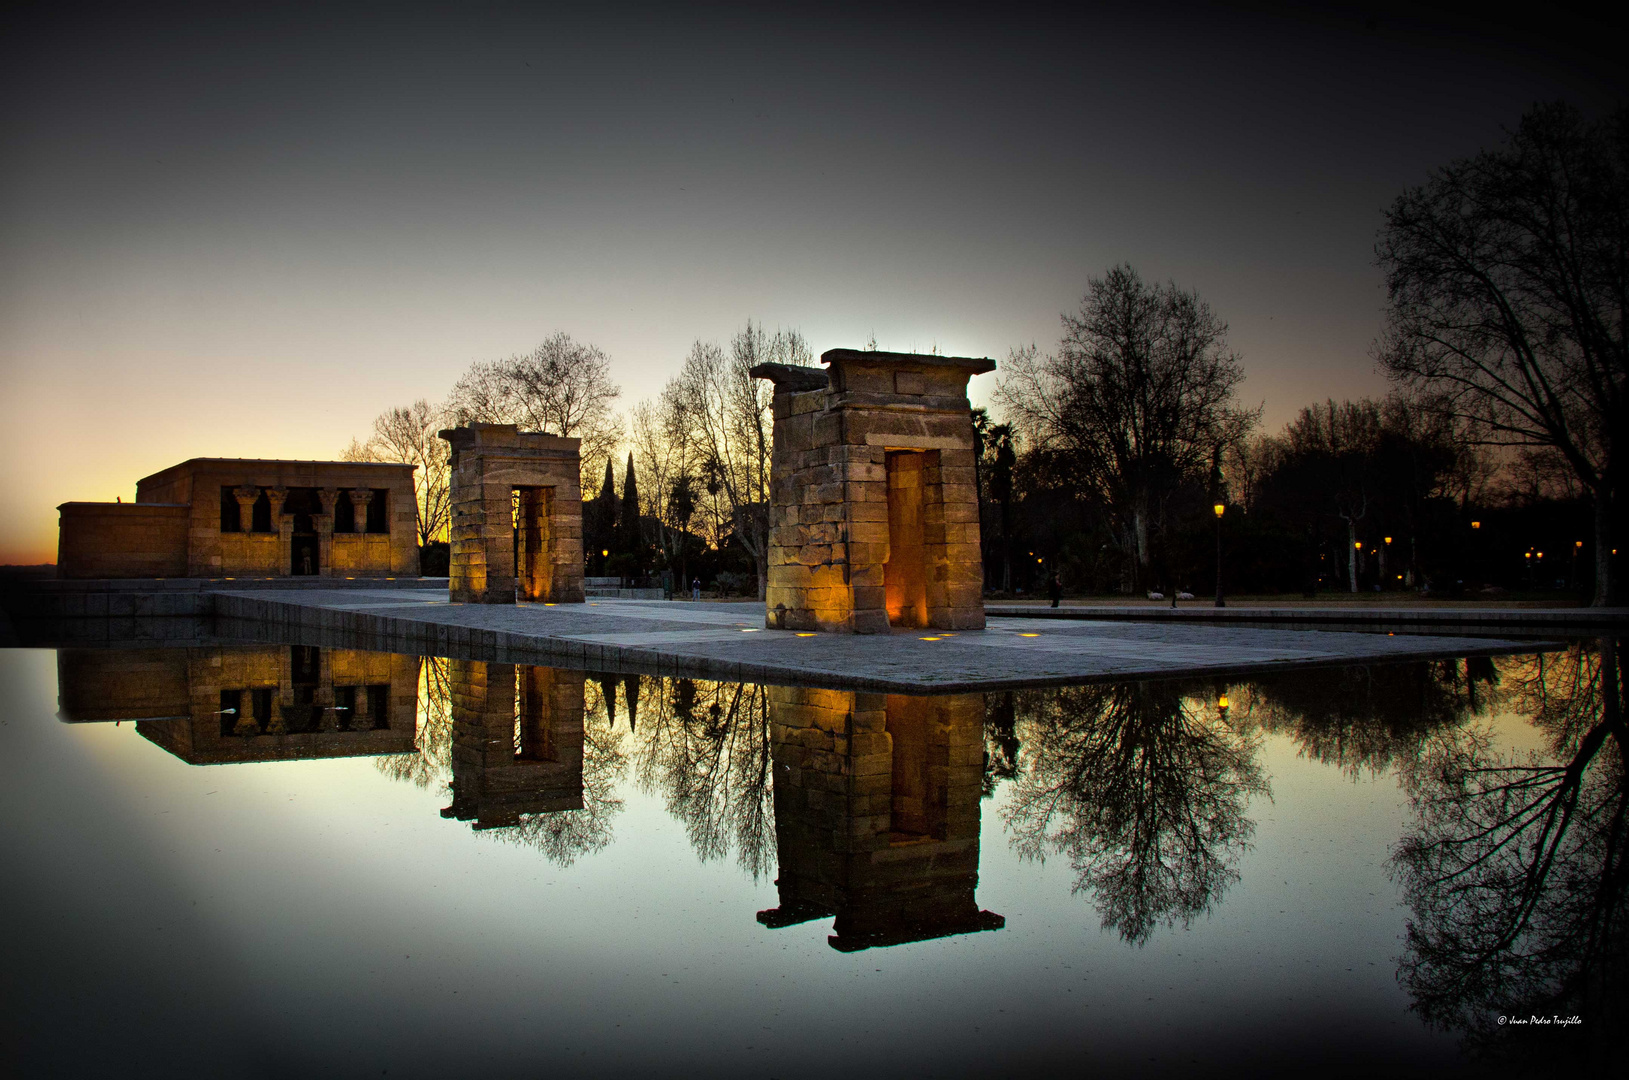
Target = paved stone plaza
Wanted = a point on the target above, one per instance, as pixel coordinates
(728, 641)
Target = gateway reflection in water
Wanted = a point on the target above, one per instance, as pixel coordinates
(866, 808)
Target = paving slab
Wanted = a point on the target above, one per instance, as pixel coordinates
(729, 641)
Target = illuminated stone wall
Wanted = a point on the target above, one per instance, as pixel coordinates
(118, 540)
(874, 517)
(507, 481)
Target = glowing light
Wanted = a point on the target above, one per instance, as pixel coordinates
(1357, 543)
(932, 639)
(1577, 543)
(1221, 702)
(806, 633)
(605, 551)
(751, 629)
(1527, 554)
(1476, 524)
(1038, 560)
(1388, 539)
(1218, 508)
(1029, 635)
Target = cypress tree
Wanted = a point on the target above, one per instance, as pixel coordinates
(629, 540)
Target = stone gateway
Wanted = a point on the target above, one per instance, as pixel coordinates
(517, 516)
(874, 515)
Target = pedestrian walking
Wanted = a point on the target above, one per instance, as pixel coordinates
(1056, 589)
(695, 588)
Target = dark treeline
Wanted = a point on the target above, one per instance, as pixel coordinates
(1352, 496)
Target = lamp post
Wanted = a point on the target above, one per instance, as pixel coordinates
(1218, 508)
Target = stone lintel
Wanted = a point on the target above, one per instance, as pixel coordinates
(973, 365)
(791, 378)
(509, 440)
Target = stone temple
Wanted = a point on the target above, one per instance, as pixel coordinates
(874, 516)
(238, 517)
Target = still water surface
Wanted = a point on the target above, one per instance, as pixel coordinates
(279, 860)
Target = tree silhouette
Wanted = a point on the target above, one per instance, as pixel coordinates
(1507, 278)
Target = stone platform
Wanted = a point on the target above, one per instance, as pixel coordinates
(728, 641)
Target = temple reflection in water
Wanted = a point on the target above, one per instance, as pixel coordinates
(877, 814)
(218, 705)
(517, 745)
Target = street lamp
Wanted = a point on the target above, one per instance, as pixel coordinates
(1218, 508)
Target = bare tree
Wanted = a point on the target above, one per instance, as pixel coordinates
(1507, 277)
(562, 387)
(723, 413)
(409, 434)
(666, 467)
(1140, 395)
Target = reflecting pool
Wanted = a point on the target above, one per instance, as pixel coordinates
(265, 860)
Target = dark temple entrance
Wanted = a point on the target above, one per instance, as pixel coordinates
(304, 551)
(905, 574)
(534, 554)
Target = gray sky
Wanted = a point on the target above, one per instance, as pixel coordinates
(240, 233)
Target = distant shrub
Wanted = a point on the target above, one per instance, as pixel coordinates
(733, 584)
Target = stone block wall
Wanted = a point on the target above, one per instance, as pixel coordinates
(121, 540)
(877, 813)
(490, 463)
(874, 512)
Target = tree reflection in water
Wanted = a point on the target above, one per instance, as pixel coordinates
(1143, 786)
(431, 767)
(1369, 720)
(1515, 867)
(707, 752)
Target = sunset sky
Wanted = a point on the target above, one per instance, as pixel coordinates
(243, 233)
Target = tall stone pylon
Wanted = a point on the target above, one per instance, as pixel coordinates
(874, 515)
